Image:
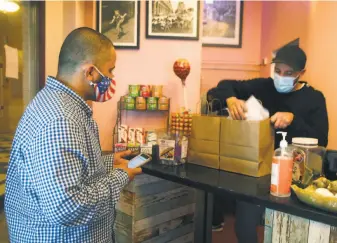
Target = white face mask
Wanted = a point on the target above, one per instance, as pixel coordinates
(284, 84)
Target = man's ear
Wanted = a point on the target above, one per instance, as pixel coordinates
(88, 71)
(303, 72)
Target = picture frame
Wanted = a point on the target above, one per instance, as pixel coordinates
(172, 19)
(120, 22)
(222, 23)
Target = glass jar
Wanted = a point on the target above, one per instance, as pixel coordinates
(308, 161)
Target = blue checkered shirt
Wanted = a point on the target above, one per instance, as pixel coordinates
(59, 188)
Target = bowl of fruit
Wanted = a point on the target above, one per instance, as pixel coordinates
(322, 194)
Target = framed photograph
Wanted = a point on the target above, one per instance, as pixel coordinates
(222, 23)
(172, 19)
(119, 21)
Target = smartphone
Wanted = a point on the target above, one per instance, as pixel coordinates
(131, 156)
(139, 160)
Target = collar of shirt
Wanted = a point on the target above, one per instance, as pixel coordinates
(54, 84)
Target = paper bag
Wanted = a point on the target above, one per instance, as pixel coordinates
(246, 147)
(204, 141)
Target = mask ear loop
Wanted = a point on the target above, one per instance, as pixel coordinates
(99, 71)
(92, 83)
(297, 80)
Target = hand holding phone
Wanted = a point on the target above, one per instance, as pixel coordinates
(121, 163)
(139, 160)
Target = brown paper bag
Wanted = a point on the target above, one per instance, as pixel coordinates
(246, 147)
(204, 141)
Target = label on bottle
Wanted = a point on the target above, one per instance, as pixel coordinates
(275, 174)
(281, 176)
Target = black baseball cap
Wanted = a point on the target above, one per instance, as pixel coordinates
(291, 55)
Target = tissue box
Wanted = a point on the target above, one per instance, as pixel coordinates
(244, 147)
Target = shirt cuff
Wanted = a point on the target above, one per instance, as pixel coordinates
(121, 176)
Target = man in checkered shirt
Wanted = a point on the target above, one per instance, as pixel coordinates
(59, 187)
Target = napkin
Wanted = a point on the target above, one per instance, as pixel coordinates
(255, 110)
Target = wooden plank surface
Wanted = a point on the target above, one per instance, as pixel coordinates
(277, 227)
(298, 229)
(268, 235)
(140, 180)
(158, 208)
(161, 229)
(151, 210)
(289, 228)
(163, 217)
(285, 228)
(162, 197)
(318, 232)
(153, 188)
(268, 218)
(333, 234)
(171, 235)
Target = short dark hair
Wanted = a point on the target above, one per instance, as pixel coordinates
(82, 45)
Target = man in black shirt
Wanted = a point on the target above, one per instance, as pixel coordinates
(295, 107)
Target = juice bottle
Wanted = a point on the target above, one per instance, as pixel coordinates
(281, 174)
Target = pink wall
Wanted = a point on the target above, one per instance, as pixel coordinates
(322, 60)
(235, 63)
(267, 25)
(313, 23)
(282, 22)
(151, 64)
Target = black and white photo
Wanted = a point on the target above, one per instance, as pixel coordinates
(172, 19)
(119, 21)
(222, 23)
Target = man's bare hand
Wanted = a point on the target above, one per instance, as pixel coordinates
(131, 172)
(119, 157)
(282, 120)
(121, 163)
(237, 108)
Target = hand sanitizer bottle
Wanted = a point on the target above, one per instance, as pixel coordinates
(282, 166)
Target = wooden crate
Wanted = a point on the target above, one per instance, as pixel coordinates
(286, 228)
(152, 210)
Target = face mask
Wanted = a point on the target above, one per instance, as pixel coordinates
(104, 89)
(284, 84)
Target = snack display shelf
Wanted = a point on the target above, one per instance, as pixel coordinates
(121, 110)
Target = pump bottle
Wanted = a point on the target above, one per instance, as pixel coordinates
(282, 166)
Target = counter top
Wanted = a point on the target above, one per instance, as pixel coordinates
(246, 188)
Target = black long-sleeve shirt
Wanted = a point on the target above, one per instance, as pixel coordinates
(307, 104)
